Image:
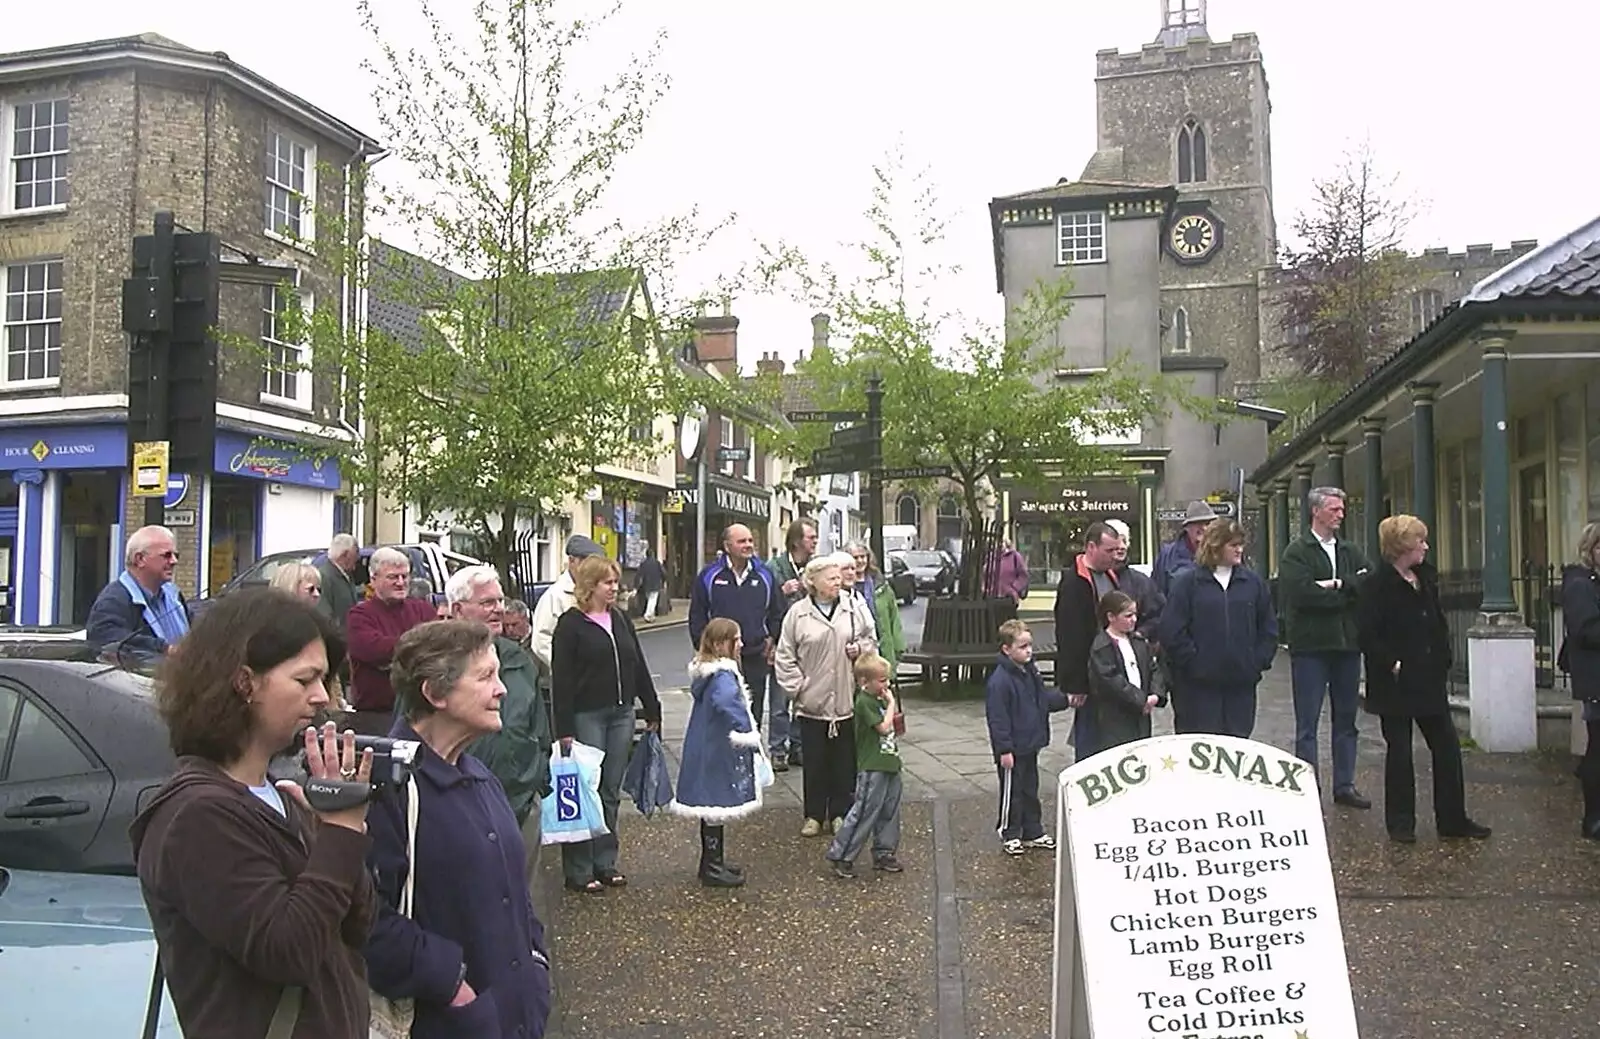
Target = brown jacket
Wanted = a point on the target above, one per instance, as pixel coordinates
(245, 902)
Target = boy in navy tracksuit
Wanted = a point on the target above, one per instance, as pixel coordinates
(737, 585)
(1018, 706)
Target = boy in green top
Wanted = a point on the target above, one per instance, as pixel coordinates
(876, 811)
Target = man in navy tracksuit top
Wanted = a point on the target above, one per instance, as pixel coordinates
(738, 586)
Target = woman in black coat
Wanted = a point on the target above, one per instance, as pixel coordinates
(1580, 658)
(597, 673)
(1406, 645)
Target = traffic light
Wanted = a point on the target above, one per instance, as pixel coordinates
(170, 308)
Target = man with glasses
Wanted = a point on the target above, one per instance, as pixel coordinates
(373, 627)
(519, 754)
(141, 614)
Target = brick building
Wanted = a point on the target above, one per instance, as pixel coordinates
(94, 139)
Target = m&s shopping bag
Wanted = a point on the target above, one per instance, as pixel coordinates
(571, 812)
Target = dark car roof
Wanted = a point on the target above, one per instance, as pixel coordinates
(112, 708)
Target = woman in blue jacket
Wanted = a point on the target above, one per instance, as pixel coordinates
(1219, 632)
(470, 952)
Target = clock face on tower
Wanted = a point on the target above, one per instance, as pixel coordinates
(1193, 237)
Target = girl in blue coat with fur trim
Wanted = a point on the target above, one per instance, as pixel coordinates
(718, 780)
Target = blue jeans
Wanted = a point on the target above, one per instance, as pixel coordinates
(779, 739)
(875, 816)
(611, 730)
(1336, 673)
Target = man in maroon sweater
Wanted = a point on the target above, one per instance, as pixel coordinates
(373, 627)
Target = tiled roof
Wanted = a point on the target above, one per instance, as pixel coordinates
(404, 284)
(1083, 189)
(1107, 164)
(1568, 268)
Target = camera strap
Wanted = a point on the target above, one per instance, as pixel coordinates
(284, 1016)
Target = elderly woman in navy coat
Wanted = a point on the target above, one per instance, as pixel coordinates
(717, 780)
(472, 954)
(1580, 657)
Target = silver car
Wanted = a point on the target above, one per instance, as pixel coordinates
(78, 954)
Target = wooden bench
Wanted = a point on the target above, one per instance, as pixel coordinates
(934, 663)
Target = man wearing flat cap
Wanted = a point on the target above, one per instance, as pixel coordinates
(1177, 555)
(558, 598)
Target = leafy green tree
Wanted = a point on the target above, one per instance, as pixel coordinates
(542, 346)
(984, 401)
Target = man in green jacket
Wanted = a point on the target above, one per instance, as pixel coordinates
(519, 754)
(1319, 579)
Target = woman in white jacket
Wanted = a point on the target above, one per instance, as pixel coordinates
(822, 636)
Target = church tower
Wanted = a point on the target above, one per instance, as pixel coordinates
(1188, 111)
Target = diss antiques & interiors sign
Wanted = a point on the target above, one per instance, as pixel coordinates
(1096, 500)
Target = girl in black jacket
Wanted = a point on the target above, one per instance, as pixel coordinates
(1406, 645)
(1124, 683)
(1580, 658)
(597, 673)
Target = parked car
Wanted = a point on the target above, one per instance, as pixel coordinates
(79, 955)
(428, 562)
(900, 579)
(933, 575)
(82, 750)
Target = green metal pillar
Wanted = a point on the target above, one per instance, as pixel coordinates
(1302, 493)
(1372, 492)
(1280, 521)
(1335, 449)
(1424, 480)
(1261, 536)
(1497, 596)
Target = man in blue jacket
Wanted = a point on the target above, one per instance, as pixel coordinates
(739, 586)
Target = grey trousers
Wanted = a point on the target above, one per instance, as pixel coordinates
(875, 815)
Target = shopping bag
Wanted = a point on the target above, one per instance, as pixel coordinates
(571, 812)
(646, 780)
(764, 776)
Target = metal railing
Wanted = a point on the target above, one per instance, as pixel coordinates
(1538, 595)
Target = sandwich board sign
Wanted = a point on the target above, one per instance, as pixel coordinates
(1194, 897)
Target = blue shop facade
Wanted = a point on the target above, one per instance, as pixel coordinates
(65, 512)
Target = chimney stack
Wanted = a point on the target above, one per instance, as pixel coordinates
(819, 331)
(716, 341)
(770, 364)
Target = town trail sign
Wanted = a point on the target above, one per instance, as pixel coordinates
(1194, 897)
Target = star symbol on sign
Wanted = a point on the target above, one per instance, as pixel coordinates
(1169, 763)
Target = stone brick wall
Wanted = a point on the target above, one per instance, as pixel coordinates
(144, 140)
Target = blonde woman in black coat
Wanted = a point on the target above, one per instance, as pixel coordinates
(1580, 658)
(1406, 645)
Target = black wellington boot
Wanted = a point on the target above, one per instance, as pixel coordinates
(1591, 803)
(712, 871)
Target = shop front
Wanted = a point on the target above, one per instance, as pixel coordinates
(61, 529)
(627, 524)
(265, 496)
(1047, 523)
(731, 501)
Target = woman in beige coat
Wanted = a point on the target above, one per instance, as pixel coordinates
(822, 636)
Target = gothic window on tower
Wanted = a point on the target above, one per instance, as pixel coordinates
(1080, 238)
(1192, 158)
(1426, 306)
(1180, 331)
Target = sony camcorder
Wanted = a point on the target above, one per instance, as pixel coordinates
(392, 765)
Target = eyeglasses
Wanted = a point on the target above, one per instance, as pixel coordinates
(168, 555)
(489, 603)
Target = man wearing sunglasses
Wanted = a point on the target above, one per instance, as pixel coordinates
(141, 614)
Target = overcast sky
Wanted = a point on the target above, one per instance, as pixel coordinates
(779, 117)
